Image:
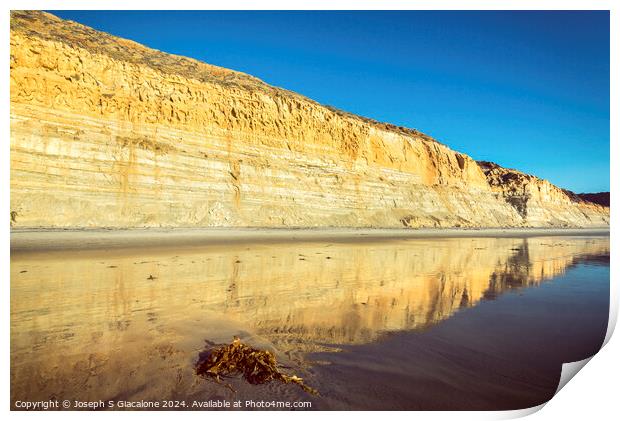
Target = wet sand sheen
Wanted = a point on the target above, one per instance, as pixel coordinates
(24, 240)
(110, 325)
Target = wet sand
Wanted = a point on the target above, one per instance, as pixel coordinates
(471, 322)
(93, 239)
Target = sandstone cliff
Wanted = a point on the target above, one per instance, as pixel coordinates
(108, 133)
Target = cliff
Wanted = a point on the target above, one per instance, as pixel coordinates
(540, 202)
(108, 133)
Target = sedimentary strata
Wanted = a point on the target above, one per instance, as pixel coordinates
(106, 132)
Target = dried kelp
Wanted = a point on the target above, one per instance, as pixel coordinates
(255, 365)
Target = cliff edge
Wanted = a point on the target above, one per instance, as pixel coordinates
(106, 132)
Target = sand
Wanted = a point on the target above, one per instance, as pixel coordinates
(34, 240)
(420, 323)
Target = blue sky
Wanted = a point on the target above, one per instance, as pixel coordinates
(528, 90)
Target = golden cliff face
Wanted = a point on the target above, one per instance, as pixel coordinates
(108, 133)
(541, 203)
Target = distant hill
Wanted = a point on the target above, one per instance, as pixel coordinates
(601, 198)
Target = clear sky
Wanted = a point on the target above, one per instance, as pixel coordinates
(528, 90)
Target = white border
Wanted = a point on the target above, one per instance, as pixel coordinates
(593, 394)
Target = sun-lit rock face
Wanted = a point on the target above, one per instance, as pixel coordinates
(108, 133)
(541, 203)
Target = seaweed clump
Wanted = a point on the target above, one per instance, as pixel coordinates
(255, 365)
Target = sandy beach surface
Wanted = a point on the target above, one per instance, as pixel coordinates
(394, 319)
(92, 239)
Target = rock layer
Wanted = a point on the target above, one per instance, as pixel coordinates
(108, 133)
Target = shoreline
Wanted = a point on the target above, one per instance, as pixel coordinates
(41, 240)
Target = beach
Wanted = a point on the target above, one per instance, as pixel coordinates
(28, 240)
(403, 319)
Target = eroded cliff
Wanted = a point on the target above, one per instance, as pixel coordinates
(108, 133)
(541, 203)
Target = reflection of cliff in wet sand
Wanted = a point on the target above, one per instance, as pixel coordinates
(109, 324)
